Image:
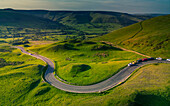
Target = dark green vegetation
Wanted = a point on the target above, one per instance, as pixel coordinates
(22, 85)
(78, 69)
(6, 49)
(103, 47)
(19, 42)
(81, 17)
(61, 25)
(3, 62)
(85, 62)
(150, 37)
(62, 47)
(19, 20)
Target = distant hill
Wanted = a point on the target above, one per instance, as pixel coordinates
(81, 17)
(150, 15)
(151, 37)
(69, 22)
(9, 17)
(88, 22)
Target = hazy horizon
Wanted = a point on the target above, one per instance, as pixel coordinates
(130, 6)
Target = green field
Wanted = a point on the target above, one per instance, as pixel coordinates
(150, 37)
(95, 28)
(101, 60)
(22, 85)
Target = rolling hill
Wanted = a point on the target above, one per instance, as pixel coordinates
(81, 17)
(87, 22)
(150, 37)
(13, 18)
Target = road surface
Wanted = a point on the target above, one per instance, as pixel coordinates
(116, 79)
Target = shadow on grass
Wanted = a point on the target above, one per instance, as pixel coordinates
(76, 69)
(43, 72)
(18, 74)
(62, 47)
(149, 100)
(34, 84)
(105, 47)
(22, 66)
(2, 41)
(31, 87)
(43, 91)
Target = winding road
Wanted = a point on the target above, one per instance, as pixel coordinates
(116, 79)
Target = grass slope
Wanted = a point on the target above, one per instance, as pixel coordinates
(16, 81)
(84, 62)
(150, 37)
(22, 85)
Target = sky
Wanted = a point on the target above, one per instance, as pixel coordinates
(126, 6)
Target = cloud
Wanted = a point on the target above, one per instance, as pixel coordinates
(130, 6)
(24, 4)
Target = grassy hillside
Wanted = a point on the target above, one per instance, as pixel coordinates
(19, 75)
(13, 18)
(150, 37)
(84, 62)
(80, 17)
(22, 85)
